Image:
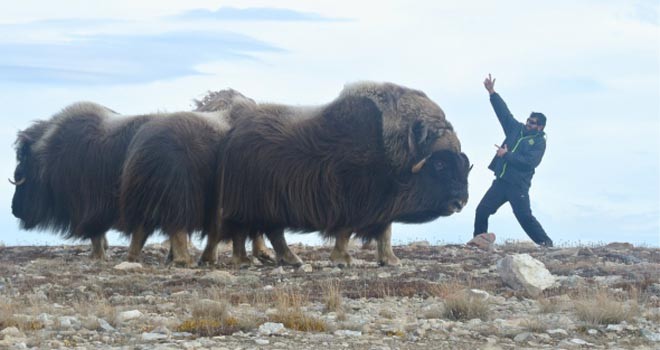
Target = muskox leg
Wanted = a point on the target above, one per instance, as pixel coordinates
(386, 256)
(179, 249)
(99, 246)
(138, 239)
(210, 255)
(260, 251)
(284, 255)
(239, 254)
(339, 255)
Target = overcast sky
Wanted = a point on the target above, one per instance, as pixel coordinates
(591, 66)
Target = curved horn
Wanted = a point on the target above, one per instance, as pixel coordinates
(17, 183)
(419, 165)
(448, 141)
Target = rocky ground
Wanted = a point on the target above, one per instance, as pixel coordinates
(441, 297)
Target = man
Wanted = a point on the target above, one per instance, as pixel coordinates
(514, 165)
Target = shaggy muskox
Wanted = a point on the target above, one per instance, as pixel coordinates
(380, 153)
(68, 169)
(169, 178)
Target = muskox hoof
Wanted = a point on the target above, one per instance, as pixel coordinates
(340, 259)
(389, 261)
(241, 262)
(265, 258)
(205, 263)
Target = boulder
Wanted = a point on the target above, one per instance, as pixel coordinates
(524, 273)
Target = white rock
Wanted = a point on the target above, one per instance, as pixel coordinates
(479, 294)
(306, 268)
(153, 336)
(68, 322)
(270, 328)
(12, 332)
(217, 276)
(384, 275)
(614, 328)
(128, 315)
(348, 333)
(262, 341)
(268, 287)
(579, 341)
(522, 272)
(128, 266)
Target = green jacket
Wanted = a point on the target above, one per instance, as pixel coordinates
(525, 149)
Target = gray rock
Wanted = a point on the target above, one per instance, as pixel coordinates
(522, 337)
(522, 272)
(262, 341)
(651, 336)
(614, 328)
(278, 271)
(105, 325)
(479, 294)
(557, 333)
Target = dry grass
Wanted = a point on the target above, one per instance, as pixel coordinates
(332, 297)
(535, 325)
(8, 319)
(212, 318)
(461, 306)
(603, 308)
(289, 304)
(548, 305)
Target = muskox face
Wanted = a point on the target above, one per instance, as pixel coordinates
(29, 190)
(439, 188)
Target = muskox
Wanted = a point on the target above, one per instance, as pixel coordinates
(169, 180)
(380, 153)
(68, 169)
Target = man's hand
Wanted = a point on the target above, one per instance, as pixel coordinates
(501, 151)
(489, 83)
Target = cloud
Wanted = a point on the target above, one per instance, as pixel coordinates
(121, 59)
(254, 14)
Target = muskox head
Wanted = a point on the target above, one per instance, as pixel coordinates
(423, 149)
(28, 184)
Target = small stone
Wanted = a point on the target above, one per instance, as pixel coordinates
(128, 266)
(347, 333)
(306, 268)
(614, 328)
(278, 271)
(268, 288)
(557, 333)
(105, 325)
(651, 336)
(522, 337)
(592, 332)
(579, 341)
(262, 341)
(128, 315)
(221, 277)
(522, 272)
(384, 275)
(270, 328)
(153, 336)
(479, 294)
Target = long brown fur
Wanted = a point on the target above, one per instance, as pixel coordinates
(346, 165)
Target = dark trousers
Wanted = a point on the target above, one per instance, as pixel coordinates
(501, 192)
